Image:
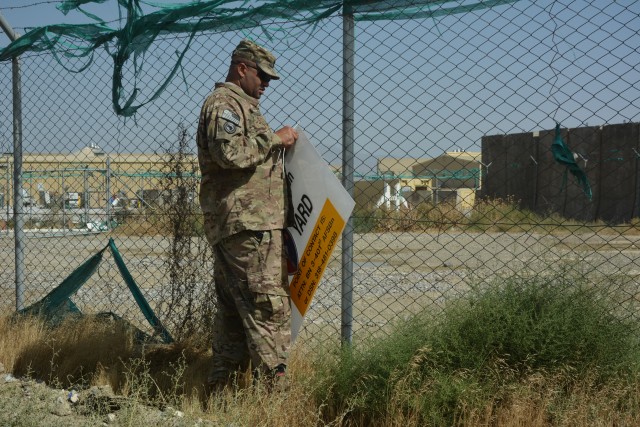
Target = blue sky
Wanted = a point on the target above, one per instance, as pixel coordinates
(422, 86)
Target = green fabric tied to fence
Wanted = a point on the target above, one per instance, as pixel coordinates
(563, 155)
(139, 31)
(57, 304)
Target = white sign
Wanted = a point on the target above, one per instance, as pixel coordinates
(321, 208)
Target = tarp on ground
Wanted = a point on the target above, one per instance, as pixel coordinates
(57, 304)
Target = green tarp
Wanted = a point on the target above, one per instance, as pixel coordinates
(57, 304)
(563, 155)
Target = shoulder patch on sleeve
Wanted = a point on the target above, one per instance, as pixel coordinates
(229, 128)
(231, 116)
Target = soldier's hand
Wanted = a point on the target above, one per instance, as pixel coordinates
(288, 135)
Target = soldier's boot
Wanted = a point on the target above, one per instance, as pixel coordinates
(280, 381)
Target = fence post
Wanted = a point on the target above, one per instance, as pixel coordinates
(18, 205)
(8, 187)
(348, 93)
(108, 185)
(85, 195)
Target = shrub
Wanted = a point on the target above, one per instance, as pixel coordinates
(482, 347)
(189, 295)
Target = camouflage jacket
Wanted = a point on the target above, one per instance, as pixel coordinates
(243, 185)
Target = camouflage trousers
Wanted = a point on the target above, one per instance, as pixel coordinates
(252, 325)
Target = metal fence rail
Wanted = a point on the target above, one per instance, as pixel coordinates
(453, 174)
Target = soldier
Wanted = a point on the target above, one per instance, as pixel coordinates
(244, 200)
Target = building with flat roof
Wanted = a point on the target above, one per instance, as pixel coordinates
(402, 181)
(88, 177)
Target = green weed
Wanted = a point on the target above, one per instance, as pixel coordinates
(483, 348)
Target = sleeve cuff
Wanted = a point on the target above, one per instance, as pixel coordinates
(276, 141)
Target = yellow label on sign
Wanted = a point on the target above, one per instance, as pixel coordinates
(315, 257)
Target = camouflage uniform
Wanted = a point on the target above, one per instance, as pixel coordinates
(243, 196)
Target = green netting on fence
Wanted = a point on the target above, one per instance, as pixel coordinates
(139, 31)
(57, 303)
(563, 155)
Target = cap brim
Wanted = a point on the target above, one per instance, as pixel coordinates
(269, 71)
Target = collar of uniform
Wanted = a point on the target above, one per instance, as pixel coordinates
(238, 90)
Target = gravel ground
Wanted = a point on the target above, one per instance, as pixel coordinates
(25, 402)
(394, 274)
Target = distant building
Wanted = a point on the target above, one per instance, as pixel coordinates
(409, 181)
(398, 167)
(81, 179)
(454, 175)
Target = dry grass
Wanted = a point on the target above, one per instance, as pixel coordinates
(545, 401)
(17, 336)
(487, 215)
(74, 353)
(535, 401)
(87, 352)
(92, 352)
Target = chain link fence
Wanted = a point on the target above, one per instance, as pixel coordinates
(455, 183)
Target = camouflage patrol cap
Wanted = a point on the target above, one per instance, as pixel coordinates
(262, 58)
